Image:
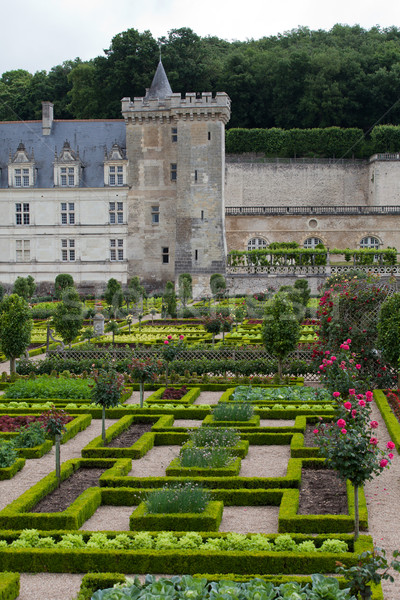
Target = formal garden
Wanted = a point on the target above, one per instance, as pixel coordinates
(224, 448)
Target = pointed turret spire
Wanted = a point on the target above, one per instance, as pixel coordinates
(160, 87)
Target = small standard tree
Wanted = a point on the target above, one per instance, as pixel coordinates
(62, 282)
(107, 390)
(68, 316)
(185, 287)
(15, 327)
(114, 295)
(281, 329)
(169, 299)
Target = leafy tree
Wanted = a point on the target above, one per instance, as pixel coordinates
(217, 285)
(304, 289)
(15, 327)
(185, 287)
(62, 282)
(295, 297)
(107, 391)
(21, 287)
(112, 327)
(135, 290)
(114, 295)
(1, 292)
(281, 329)
(68, 316)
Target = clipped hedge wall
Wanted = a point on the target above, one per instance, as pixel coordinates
(390, 419)
(9, 586)
(9, 472)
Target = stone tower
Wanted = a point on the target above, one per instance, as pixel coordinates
(176, 156)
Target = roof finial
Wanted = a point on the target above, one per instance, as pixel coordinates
(159, 47)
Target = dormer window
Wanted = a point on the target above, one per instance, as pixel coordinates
(21, 168)
(67, 167)
(115, 165)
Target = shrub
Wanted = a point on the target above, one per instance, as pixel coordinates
(8, 454)
(30, 436)
(233, 412)
(205, 458)
(214, 436)
(178, 498)
(45, 387)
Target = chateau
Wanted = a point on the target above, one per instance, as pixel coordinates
(153, 195)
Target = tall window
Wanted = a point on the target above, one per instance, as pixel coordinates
(155, 215)
(116, 249)
(165, 255)
(174, 134)
(22, 250)
(256, 244)
(370, 242)
(68, 250)
(312, 242)
(67, 213)
(116, 212)
(174, 170)
(22, 213)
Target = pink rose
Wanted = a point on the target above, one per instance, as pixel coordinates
(181, 337)
(358, 367)
(373, 441)
(344, 431)
(361, 403)
(336, 394)
(383, 462)
(169, 337)
(353, 413)
(327, 352)
(390, 445)
(316, 431)
(347, 405)
(374, 424)
(369, 396)
(341, 423)
(352, 392)
(348, 341)
(166, 342)
(390, 455)
(333, 357)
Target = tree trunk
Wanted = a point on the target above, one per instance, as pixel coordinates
(280, 368)
(57, 444)
(103, 425)
(141, 393)
(356, 514)
(12, 364)
(166, 374)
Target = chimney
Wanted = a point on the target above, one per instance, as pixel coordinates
(47, 117)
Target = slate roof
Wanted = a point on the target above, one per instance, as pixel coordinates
(160, 87)
(91, 137)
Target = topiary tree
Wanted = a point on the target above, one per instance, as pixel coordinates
(217, 285)
(68, 316)
(114, 295)
(169, 299)
(107, 390)
(389, 330)
(281, 329)
(302, 286)
(62, 282)
(296, 298)
(112, 327)
(31, 286)
(15, 327)
(135, 291)
(185, 287)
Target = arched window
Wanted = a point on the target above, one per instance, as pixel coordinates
(312, 242)
(256, 244)
(370, 242)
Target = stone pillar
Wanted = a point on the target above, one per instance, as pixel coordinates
(98, 324)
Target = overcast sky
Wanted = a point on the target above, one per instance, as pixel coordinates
(39, 34)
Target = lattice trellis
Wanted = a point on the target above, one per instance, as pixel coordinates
(361, 319)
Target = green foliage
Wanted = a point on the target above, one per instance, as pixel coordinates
(185, 287)
(169, 300)
(8, 454)
(209, 457)
(214, 436)
(233, 412)
(217, 285)
(389, 329)
(62, 282)
(304, 289)
(24, 287)
(50, 387)
(15, 327)
(30, 436)
(68, 315)
(372, 567)
(113, 294)
(178, 498)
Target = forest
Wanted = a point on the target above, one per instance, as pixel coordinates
(345, 77)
